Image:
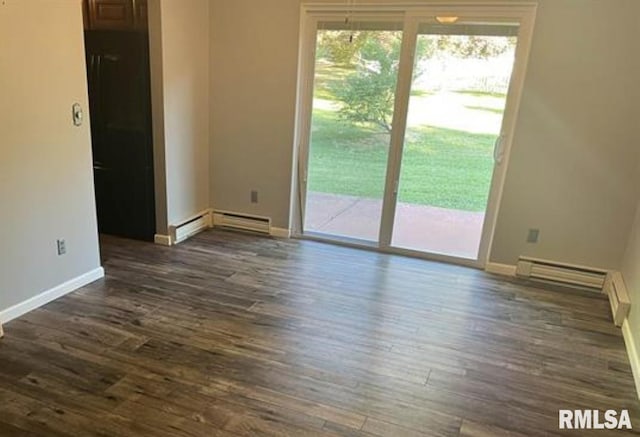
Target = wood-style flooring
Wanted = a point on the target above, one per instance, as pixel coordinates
(233, 334)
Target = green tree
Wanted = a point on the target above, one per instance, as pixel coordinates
(367, 95)
(471, 46)
(341, 46)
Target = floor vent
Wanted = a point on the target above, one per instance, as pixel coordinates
(618, 297)
(190, 227)
(563, 273)
(242, 221)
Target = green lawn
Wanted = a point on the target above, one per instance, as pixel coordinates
(481, 93)
(485, 108)
(441, 167)
(327, 76)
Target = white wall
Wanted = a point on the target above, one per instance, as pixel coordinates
(46, 181)
(573, 161)
(179, 48)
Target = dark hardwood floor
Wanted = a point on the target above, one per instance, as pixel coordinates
(233, 334)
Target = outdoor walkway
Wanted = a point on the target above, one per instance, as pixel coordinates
(418, 227)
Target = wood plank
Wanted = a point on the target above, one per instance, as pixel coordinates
(236, 334)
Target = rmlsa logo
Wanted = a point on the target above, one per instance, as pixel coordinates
(593, 419)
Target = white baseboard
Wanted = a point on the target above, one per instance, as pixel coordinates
(501, 269)
(162, 240)
(280, 232)
(52, 294)
(634, 359)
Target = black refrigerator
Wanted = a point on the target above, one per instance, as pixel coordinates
(121, 132)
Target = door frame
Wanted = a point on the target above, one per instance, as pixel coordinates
(411, 14)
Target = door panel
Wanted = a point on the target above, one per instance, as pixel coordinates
(355, 81)
(111, 14)
(458, 95)
(118, 72)
(114, 208)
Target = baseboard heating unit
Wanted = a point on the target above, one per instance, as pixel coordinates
(569, 274)
(242, 222)
(190, 227)
(618, 297)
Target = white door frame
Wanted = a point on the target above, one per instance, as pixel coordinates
(521, 13)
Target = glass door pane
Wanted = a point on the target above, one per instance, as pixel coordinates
(354, 91)
(459, 89)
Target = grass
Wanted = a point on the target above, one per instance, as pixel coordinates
(485, 108)
(482, 93)
(328, 75)
(441, 167)
(420, 93)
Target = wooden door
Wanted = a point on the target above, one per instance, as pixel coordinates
(111, 14)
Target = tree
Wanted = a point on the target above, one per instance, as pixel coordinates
(471, 46)
(340, 46)
(367, 95)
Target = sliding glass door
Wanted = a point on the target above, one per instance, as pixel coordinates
(356, 66)
(458, 93)
(408, 121)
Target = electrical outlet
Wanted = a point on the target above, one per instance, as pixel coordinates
(254, 196)
(533, 236)
(62, 247)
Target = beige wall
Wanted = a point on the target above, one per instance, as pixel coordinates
(179, 46)
(254, 47)
(46, 181)
(572, 172)
(631, 261)
(631, 273)
(573, 161)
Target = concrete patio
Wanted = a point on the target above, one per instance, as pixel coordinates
(417, 227)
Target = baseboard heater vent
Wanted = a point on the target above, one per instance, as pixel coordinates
(618, 297)
(562, 273)
(243, 222)
(190, 227)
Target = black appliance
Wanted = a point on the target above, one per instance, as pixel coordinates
(121, 132)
